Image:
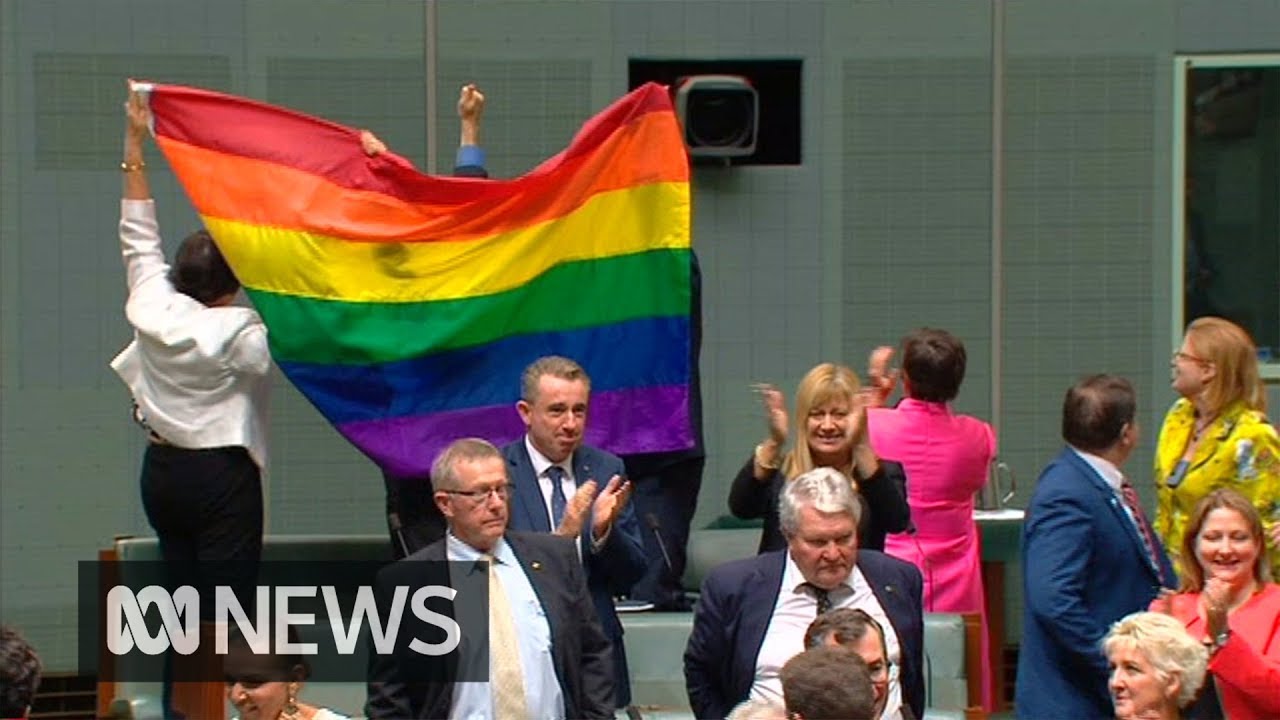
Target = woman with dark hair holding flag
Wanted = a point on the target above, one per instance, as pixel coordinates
(198, 373)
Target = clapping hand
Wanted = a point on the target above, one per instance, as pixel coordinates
(881, 380)
(775, 411)
(609, 505)
(575, 514)
(1213, 602)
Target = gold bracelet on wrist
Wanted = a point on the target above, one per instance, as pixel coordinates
(759, 458)
(126, 166)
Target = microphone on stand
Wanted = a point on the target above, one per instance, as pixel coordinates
(397, 531)
(652, 521)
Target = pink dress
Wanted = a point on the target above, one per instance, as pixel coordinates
(946, 458)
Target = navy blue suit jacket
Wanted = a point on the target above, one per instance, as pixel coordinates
(620, 562)
(1084, 566)
(736, 606)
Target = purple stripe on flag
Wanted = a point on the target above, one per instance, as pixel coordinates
(635, 420)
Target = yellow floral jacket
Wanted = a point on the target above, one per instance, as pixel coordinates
(1240, 450)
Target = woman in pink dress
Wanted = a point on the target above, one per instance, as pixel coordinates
(946, 457)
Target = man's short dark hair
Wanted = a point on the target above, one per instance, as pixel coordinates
(19, 673)
(844, 625)
(828, 683)
(934, 362)
(200, 272)
(1096, 410)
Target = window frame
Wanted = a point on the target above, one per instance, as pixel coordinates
(1182, 64)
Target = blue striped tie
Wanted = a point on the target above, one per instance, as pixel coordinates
(558, 500)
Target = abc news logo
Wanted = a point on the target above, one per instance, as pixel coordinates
(180, 619)
(133, 621)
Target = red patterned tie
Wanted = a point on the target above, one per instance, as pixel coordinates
(1144, 528)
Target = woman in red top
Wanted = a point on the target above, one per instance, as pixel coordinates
(1227, 598)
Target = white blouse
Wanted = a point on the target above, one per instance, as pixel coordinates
(199, 374)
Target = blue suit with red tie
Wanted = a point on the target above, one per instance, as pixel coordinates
(1084, 566)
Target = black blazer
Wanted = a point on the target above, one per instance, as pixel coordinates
(408, 685)
(883, 497)
(735, 609)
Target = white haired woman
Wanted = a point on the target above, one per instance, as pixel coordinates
(1156, 666)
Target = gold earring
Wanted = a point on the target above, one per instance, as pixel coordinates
(291, 702)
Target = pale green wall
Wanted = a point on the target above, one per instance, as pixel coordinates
(885, 226)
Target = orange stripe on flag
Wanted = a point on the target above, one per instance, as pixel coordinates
(276, 195)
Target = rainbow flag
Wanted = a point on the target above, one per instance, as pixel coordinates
(405, 306)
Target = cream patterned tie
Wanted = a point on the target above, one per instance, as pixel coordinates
(506, 681)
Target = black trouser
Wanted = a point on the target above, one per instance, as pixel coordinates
(206, 508)
(670, 494)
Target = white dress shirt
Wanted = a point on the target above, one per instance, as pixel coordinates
(199, 374)
(1113, 477)
(474, 700)
(540, 466)
(795, 610)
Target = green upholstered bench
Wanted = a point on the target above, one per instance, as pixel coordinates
(655, 651)
(710, 547)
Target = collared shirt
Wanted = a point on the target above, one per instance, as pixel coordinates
(198, 374)
(540, 467)
(796, 609)
(473, 700)
(1112, 476)
(469, 156)
(541, 464)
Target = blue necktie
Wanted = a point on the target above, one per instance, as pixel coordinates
(558, 501)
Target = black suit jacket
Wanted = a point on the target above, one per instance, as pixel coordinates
(405, 685)
(736, 606)
(883, 497)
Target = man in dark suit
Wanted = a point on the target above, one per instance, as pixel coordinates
(547, 657)
(556, 488)
(753, 613)
(1088, 556)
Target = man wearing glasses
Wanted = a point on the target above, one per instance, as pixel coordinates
(557, 487)
(547, 657)
(854, 629)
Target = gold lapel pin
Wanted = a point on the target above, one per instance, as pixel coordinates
(535, 565)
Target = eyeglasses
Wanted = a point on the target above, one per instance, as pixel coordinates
(1179, 355)
(502, 492)
(879, 671)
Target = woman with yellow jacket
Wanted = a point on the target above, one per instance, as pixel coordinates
(1216, 435)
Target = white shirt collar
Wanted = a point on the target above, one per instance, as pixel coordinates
(1109, 473)
(457, 550)
(541, 462)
